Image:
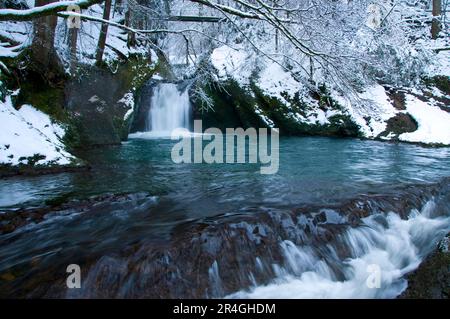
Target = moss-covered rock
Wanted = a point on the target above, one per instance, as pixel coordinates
(442, 82)
(235, 106)
(89, 102)
(282, 114)
(399, 124)
(431, 279)
(94, 102)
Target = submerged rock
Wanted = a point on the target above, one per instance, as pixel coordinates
(240, 254)
(11, 220)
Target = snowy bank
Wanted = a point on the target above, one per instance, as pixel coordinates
(434, 123)
(28, 136)
(373, 110)
(273, 81)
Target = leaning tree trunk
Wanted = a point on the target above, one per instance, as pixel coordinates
(44, 59)
(103, 33)
(436, 24)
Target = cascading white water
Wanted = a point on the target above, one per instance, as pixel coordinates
(169, 109)
(387, 244)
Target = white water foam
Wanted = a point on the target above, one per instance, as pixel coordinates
(169, 111)
(387, 243)
(176, 133)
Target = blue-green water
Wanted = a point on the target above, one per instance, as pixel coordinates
(312, 170)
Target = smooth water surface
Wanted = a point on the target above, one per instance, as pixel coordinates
(311, 171)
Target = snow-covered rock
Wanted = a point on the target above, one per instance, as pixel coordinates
(28, 133)
(370, 110)
(273, 80)
(231, 63)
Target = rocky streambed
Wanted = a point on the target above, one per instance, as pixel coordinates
(250, 254)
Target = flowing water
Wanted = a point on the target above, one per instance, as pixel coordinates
(342, 218)
(170, 109)
(250, 235)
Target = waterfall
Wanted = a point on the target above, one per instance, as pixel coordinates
(169, 109)
(164, 107)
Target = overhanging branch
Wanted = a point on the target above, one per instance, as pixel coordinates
(42, 11)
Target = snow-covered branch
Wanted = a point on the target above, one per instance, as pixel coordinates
(48, 9)
(134, 30)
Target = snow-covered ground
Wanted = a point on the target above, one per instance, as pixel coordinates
(28, 132)
(434, 123)
(273, 80)
(370, 109)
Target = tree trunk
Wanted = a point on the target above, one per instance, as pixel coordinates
(45, 60)
(436, 24)
(73, 35)
(276, 40)
(103, 33)
(131, 39)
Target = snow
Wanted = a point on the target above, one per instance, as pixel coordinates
(157, 77)
(274, 80)
(47, 7)
(373, 103)
(230, 62)
(263, 117)
(441, 61)
(18, 31)
(27, 132)
(318, 117)
(8, 52)
(17, 34)
(434, 123)
(442, 66)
